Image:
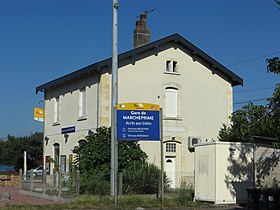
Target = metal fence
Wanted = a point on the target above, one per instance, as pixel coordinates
(54, 184)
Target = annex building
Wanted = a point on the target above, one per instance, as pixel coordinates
(194, 90)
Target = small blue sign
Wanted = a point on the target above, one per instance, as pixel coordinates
(68, 130)
(137, 125)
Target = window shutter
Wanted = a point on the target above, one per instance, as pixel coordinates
(171, 102)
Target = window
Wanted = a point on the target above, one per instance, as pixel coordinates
(174, 67)
(47, 166)
(57, 109)
(63, 163)
(56, 156)
(82, 102)
(171, 66)
(168, 66)
(170, 147)
(171, 106)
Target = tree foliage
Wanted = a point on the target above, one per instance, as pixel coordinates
(93, 158)
(95, 152)
(142, 178)
(256, 120)
(13, 148)
(250, 120)
(273, 65)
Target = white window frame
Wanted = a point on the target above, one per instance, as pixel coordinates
(82, 102)
(168, 66)
(57, 110)
(171, 66)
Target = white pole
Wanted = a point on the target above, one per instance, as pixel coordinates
(24, 164)
(161, 161)
(114, 101)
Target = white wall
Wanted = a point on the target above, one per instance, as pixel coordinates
(223, 171)
(204, 104)
(69, 116)
(267, 167)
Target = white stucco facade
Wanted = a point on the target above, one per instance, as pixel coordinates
(226, 168)
(196, 98)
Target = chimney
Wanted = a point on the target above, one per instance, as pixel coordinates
(142, 35)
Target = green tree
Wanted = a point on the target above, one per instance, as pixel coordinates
(93, 158)
(12, 150)
(254, 119)
(273, 65)
(250, 120)
(95, 152)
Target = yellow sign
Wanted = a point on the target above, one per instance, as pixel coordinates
(137, 106)
(39, 114)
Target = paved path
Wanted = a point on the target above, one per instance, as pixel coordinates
(18, 199)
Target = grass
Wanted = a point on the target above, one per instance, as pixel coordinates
(171, 200)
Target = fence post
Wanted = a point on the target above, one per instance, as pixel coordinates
(44, 181)
(77, 182)
(59, 184)
(20, 179)
(120, 183)
(31, 180)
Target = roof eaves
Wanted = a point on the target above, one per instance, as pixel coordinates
(235, 79)
(73, 76)
(175, 38)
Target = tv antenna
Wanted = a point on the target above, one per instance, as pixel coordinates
(145, 12)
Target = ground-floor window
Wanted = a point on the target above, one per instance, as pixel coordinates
(56, 156)
(48, 165)
(63, 163)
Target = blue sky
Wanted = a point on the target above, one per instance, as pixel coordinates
(43, 40)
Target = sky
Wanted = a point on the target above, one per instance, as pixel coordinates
(41, 40)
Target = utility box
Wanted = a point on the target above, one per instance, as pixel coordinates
(223, 171)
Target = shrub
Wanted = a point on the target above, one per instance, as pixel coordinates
(95, 182)
(185, 194)
(142, 178)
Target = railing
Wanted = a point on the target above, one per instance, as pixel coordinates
(58, 184)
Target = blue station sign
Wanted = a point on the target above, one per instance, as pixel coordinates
(68, 130)
(138, 121)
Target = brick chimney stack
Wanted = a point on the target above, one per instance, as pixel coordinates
(142, 35)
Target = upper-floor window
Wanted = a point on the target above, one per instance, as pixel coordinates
(171, 102)
(82, 102)
(171, 66)
(170, 147)
(57, 109)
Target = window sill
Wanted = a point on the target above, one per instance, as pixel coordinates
(170, 154)
(173, 118)
(82, 118)
(56, 123)
(172, 73)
